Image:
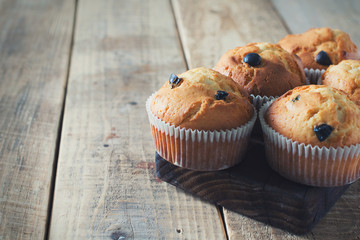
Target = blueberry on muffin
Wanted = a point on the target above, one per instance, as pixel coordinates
(312, 136)
(320, 47)
(300, 113)
(262, 68)
(201, 120)
(202, 99)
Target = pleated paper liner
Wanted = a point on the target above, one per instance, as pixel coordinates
(197, 149)
(313, 75)
(314, 166)
(258, 100)
(252, 188)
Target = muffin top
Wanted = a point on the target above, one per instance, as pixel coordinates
(317, 115)
(320, 47)
(262, 69)
(202, 99)
(346, 77)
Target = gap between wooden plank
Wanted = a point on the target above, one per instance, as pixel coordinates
(181, 44)
(107, 199)
(222, 219)
(225, 40)
(34, 55)
(58, 139)
(218, 207)
(282, 20)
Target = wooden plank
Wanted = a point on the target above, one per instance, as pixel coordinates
(302, 15)
(35, 41)
(106, 185)
(209, 28)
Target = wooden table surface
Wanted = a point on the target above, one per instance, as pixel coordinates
(76, 152)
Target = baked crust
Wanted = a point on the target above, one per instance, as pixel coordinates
(192, 103)
(277, 73)
(346, 77)
(307, 45)
(296, 113)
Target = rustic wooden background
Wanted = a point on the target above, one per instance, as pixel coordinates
(76, 153)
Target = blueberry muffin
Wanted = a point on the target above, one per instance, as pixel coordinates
(320, 47)
(262, 69)
(201, 120)
(346, 77)
(202, 99)
(312, 136)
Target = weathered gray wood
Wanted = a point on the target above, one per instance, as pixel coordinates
(299, 16)
(209, 28)
(35, 41)
(106, 187)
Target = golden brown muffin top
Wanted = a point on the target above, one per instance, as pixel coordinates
(306, 111)
(346, 77)
(277, 72)
(337, 45)
(192, 103)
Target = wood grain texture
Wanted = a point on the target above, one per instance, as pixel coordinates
(35, 41)
(209, 28)
(299, 16)
(106, 187)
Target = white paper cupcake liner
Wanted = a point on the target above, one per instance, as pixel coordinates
(258, 100)
(198, 149)
(314, 166)
(313, 76)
